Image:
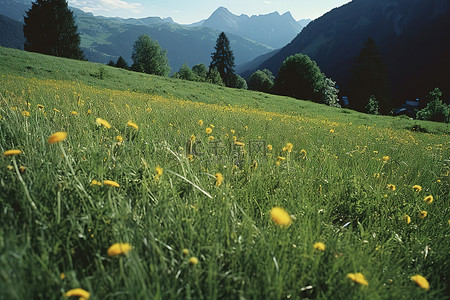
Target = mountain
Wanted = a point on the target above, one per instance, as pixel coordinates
(412, 36)
(11, 33)
(104, 39)
(272, 29)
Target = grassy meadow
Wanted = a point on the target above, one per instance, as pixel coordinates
(188, 174)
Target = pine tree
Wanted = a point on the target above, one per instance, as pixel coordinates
(50, 29)
(223, 60)
(121, 63)
(369, 77)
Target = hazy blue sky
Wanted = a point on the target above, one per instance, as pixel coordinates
(189, 11)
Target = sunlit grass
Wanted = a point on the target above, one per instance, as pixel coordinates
(165, 211)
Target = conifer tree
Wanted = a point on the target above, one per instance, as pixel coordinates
(369, 77)
(49, 28)
(223, 60)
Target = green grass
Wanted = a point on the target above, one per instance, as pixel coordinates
(335, 191)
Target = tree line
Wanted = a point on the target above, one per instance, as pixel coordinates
(49, 28)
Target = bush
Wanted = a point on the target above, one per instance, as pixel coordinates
(435, 109)
(372, 106)
(260, 81)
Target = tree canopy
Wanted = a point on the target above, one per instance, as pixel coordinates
(223, 60)
(148, 57)
(261, 80)
(49, 28)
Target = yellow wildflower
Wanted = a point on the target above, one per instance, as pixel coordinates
(12, 152)
(111, 183)
(319, 246)
(208, 130)
(423, 214)
(233, 131)
(391, 187)
(288, 147)
(78, 292)
(200, 122)
(358, 278)
(74, 113)
(103, 122)
(95, 182)
(40, 106)
(270, 147)
(89, 112)
(9, 167)
(428, 199)
(421, 281)
(185, 252)
(119, 139)
(193, 261)
(118, 249)
(159, 171)
(26, 113)
(22, 169)
(281, 158)
(193, 138)
(417, 188)
(407, 219)
(131, 124)
(240, 144)
(385, 158)
(57, 137)
(331, 130)
(219, 179)
(62, 276)
(55, 110)
(280, 216)
(210, 138)
(303, 152)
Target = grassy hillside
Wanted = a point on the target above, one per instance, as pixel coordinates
(345, 179)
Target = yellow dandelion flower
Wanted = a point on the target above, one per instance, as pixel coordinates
(95, 182)
(210, 138)
(26, 113)
(391, 187)
(421, 281)
(57, 137)
(200, 122)
(131, 124)
(219, 179)
(211, 125)
(319, 246)
(12, 152)
(233, 131)
(193, 261)
(89, 112)
(278, 163)
(118, 249)
(62, 276)
(428, 199)
(119, 139)
(289, 147)
(22, 169)
(385, 158)
(280, 216)
(193, 138)
(74, 113)
(103, 122)
(159, 171)
(331, 130)
(40, 106)
(190, 157)
(111, 183)
(358, 278)
(9, 167)
(281, 158)
(417, 188)
(303, 152)
(240, 144)
(185, 252)
(208, 130)
(423, 214)
(78, 293)
(407, 219)
(270, 147)
(56, 110)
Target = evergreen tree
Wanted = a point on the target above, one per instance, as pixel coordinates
(121, 63)
(50, 29)
(435, 109)
(201, 71)
(148, 57)
(369, 77)
(372, 106)
(214, 77)
(223, 60)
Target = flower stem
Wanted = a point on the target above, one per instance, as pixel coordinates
(23, 183)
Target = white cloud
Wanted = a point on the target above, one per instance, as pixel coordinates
(98, 6)
(267, 2)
